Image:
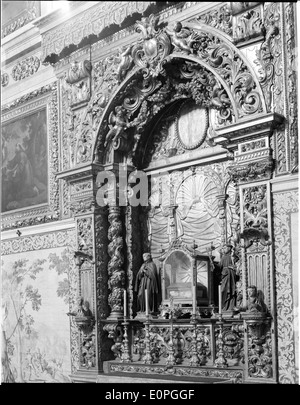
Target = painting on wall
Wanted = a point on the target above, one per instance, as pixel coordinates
(25, 162)
(36, 327)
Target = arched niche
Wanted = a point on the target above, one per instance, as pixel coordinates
(212, 71)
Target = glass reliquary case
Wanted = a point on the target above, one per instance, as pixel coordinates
(187, 275)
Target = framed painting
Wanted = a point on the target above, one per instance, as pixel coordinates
(25, 162)
(29, 146)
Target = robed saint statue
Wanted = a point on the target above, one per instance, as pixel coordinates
(147, 279)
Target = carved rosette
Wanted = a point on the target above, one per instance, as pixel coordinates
(252, 171)
(25, 68)
(116, 272)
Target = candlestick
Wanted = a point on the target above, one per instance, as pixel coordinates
(194, 300)
(146, 302)
(125, 304)
(220, 300)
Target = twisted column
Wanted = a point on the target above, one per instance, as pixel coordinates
(116, 274)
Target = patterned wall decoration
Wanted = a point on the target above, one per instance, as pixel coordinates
(285, 204)
(39, 282)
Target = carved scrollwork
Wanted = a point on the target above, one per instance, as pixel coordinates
(259, 348)
(219, 18)
(4, 79)
(151, 50)
(269, 54)
(255, 216)
(88, 351)
(248, 25)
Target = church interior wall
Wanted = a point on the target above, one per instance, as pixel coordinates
(229, 155)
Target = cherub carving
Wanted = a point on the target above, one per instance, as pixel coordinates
(182, 38)
(117, 123)
(125, 62)
(219, 98)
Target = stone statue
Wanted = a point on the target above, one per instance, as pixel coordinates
(228, 280)
(117, 122)
(147, 278)
(83, 308)
(254, 303)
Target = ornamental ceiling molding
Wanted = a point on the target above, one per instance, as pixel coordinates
(91, 22)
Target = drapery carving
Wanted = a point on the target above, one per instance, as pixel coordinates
(91, 22)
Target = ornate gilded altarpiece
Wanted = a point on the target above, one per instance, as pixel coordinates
(134, 99)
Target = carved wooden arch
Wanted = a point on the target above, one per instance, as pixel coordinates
(234, 75)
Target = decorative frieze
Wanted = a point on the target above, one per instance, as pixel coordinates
(251, 171)
(220, 18)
